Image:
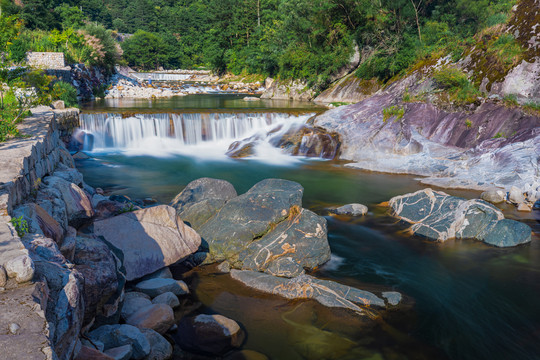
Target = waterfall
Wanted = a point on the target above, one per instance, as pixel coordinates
(151, 133)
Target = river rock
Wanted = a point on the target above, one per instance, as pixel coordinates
(212, 334)
(164, 273)
(118, 335)
(120, 353)
(150, 239)
(161, 349)
(439, 216)
(308, 140)
(103, 281)
(351, 210)
(77, 204)
(201, 199)
(328, 293)
(88, 353)
(20, 268)
(158, 317)
(167, 298)
(295, 244)
(156, 287)
(249, 216)
(132, 304)
(508, 233)
(58, 104)
(515, 195)
(493, 196)
(39, 221)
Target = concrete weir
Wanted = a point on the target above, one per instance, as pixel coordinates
(25, 332)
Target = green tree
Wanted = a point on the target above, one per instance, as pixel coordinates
(71, 16)
(144, 50)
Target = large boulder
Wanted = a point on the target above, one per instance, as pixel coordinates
(212, 334)
(439, 216)
(76, 202)
(113, 336)
(39, 221)
(133, 302)
(149, 239)
(266, 229)
(21, 268)
(328, 293)
(103, 280)
(201, 199)
(295, 244)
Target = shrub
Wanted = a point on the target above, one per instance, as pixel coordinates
(21, 226)
(458, 86)
(63, 91)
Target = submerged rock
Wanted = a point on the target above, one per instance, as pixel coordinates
(149, 239)
(351, 210)
(213, 334)
(493, 196)
(328, 293)
(439, 216)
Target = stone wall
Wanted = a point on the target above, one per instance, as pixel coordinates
(28, 307)
(46, 60)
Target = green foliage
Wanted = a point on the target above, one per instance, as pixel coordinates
(71, 16)
(499, 135)
(459, 88)
(397, 111)
(66, 92)
(21, 226)
(506, 49)
(468, 123)
(144, 50)
(510, 100)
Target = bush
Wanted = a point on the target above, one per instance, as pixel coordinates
(66, 92)
(457, 84)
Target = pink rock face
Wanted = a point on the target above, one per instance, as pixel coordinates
(158, 317)
(150, 239)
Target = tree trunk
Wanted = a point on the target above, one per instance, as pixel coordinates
(417, 20)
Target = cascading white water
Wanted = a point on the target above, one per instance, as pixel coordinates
(159, 133)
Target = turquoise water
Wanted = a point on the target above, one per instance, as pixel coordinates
(468, 300)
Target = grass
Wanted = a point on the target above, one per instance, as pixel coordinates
(337, 104)
(393, 111)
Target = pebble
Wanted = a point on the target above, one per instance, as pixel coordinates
(14, 328)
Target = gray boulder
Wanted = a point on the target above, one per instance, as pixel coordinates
(77, 204)
(158, 317)
(508, 233)
(161, 349)
(150, 239)
(265, 229)
(133, 303)
(201, 199)
(351, 210)
(439, 216)
(212, 334)
(103, 280)
(328, 293)
(515, 195)
(156, 287)
(295, 244)
(167, 298)
(39, 221)
(113, 336)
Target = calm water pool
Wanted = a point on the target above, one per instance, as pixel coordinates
(468, 300)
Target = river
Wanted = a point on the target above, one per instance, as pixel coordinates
(467, 300)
